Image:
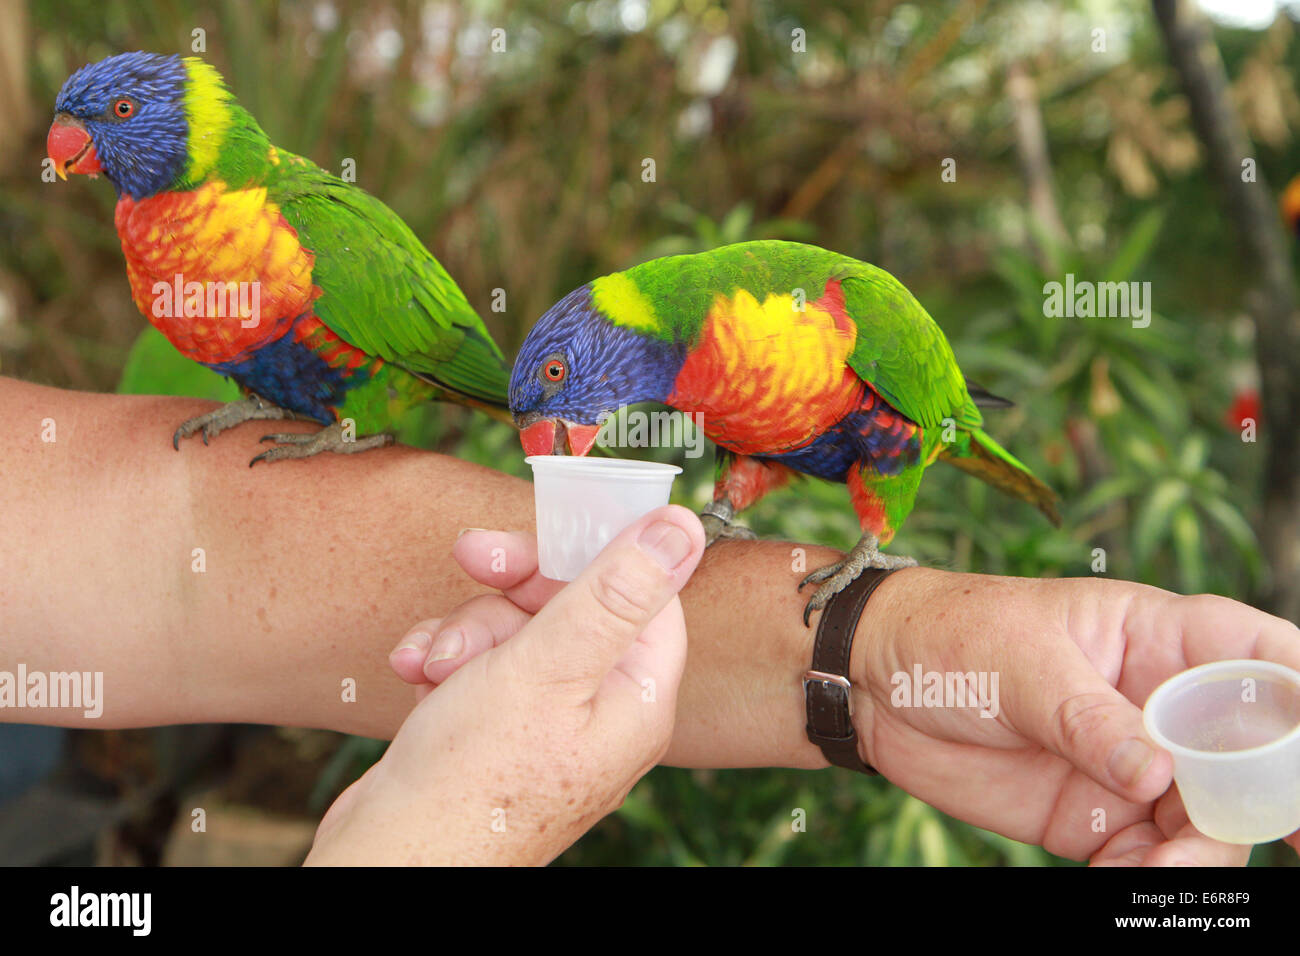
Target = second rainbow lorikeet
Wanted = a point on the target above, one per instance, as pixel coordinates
(797, 359)
(310, 293)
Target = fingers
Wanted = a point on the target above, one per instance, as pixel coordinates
(637, 705)
(1080, 717)
(584, 630)
(1186, 845)
(479, 624)
(1129, 846)
(1170, 840)
(1143, 844)
(1218, 628)
(433, 650)
(407, 658)
(506, 561)
(1190, 847)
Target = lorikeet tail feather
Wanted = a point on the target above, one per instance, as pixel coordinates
(499, 412)
(987, 460)
(478, 377)
(444, 394)
(983, 398)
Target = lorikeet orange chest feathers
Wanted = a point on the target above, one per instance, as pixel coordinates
(799, 360)
(310, 293)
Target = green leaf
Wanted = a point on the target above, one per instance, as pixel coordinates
(1054, 248)
(1017, 268)
(1153, 523)
(1166, 407)
(735, 225)
(773, 848)
(932, 840)
(1107, 491)
(154, 367)
(909, 817)
(1143, 453)
(1192, 456)
(1238, 530)
(1186, 528)
(1136, 247)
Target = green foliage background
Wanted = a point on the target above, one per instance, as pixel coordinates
(522, 172)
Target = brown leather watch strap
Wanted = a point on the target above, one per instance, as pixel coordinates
(828, 694)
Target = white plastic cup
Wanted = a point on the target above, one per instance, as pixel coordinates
(1233, 728)
(583, 503)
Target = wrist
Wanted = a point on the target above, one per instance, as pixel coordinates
(891, 616)
(394, 828)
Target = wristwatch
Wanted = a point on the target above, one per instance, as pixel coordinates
(828, 693)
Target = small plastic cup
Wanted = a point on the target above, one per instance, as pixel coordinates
(1233, 728)
(583, 503)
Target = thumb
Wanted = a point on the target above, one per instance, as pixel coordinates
(1079, 716)
(583, 631)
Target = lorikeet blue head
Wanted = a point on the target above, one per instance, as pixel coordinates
(576, 367)
(127, 116)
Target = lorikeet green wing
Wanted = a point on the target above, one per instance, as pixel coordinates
(381, 290)
(901, 352)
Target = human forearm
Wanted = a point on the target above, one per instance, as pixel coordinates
(206, 590)
(310, 571)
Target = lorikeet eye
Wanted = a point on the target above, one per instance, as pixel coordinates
(554, 370)
(124, 108)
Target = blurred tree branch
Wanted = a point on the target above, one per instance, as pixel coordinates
(1195, 58)
(1035, 161)
(14, 47)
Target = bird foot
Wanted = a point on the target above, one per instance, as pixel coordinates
(716, 518)
(329, 438)
(715, 529)
(834, 578)
(215, 422)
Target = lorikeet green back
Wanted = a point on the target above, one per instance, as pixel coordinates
(344, 313)
(798, 359)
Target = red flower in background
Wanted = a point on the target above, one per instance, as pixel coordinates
(1245, 404)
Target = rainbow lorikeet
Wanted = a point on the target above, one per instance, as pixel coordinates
(797, 359)
(307, 291)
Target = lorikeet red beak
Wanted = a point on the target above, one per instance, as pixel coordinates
(555, 436)
(70, 147)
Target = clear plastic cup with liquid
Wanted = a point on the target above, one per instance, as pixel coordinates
(583, 503)
(1233, 728)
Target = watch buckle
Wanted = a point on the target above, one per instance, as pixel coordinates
(823, 677)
